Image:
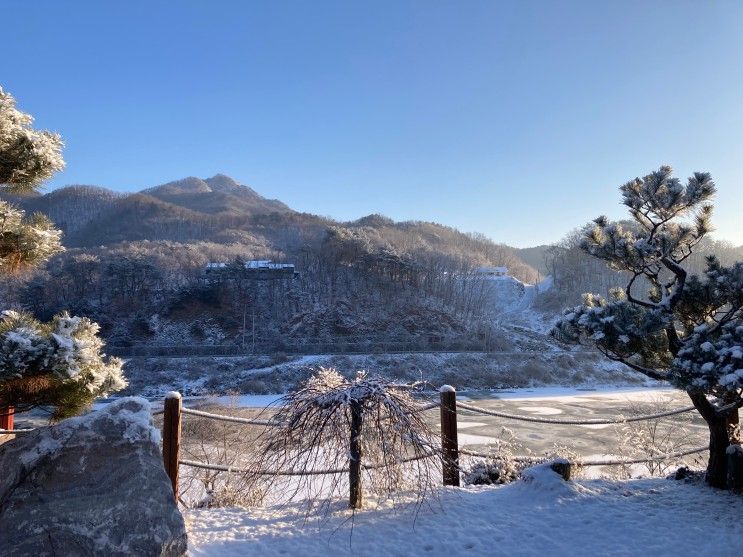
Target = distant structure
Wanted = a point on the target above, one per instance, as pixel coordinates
(492, 271)
(262, 269)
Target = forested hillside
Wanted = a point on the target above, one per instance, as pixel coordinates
(575, 272)
(137, 264)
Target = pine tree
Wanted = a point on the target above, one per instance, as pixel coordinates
(665, 324)
(59, 363)
(27, 158)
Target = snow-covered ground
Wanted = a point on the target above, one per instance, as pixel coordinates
(539, 516)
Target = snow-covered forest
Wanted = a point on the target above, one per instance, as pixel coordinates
(139, 265)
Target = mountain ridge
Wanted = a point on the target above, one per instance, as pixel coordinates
(221, 210)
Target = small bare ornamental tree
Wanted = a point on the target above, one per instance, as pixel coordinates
(669, 326)
(369, 427)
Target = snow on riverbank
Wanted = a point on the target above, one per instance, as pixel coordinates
(553, 394)
(535, 363)
(544, 516)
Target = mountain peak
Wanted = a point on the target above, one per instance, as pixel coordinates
(218, 194)
(224, 183)
(187, 185)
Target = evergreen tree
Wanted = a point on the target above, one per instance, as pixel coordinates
(27, 158)
(687, 330)
(57, 363)
(60, 363)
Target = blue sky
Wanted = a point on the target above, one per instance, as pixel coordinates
(515, 119)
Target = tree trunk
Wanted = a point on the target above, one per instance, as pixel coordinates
(723, 431)
(355, 500)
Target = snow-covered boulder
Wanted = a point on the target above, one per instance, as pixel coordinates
(92, 485)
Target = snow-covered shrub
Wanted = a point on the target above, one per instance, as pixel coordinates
(491, 471)
(502, 467)
(222, 491)
(650, 438)
(59, 364)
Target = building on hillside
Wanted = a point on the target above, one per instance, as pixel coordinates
(261, 269)
(492, 271)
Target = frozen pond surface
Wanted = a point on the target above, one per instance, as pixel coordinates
(560, 403)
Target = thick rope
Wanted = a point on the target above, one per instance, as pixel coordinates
(526, 459)
(326, 472)
(605, 462)
(15, 431)
(426, 407)
(232, 469)
(658, 458)
(234, 419)
(599, 421)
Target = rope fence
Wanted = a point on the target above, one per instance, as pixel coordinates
(554, 421)
(599, 462)
(450, 451)
(325, 472)
(233, 419)
(173, 410)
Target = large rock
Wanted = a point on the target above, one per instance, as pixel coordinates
(93, 485)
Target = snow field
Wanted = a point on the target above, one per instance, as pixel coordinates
(541, 515)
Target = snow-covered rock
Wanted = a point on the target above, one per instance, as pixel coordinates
(92, 485)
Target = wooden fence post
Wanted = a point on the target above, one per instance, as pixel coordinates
(6, 417)
(449, 441)
(354, 470)
(172, 437)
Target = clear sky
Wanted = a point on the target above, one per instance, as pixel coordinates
(516, 119)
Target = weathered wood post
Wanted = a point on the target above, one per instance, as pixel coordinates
(449, 441)
(735, 467)
(172, 437)
(354, 471)
(563, 467)
(6, 417)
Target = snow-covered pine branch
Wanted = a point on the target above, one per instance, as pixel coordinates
(25, 241)
(59, 363)
(27, 156)
(628, 332)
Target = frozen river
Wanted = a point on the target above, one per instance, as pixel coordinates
(585, 440)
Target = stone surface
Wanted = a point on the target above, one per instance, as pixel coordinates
(92, 485)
